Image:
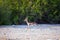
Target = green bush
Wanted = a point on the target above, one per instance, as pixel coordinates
(14, 11)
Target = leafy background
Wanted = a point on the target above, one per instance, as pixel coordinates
(42, 11)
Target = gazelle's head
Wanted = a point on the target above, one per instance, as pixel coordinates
(26, 19)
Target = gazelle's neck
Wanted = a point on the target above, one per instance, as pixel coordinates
(26, 20)
(27, 23)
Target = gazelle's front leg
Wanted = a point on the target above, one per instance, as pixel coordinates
(28, 26)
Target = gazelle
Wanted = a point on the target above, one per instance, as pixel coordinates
(29, 23)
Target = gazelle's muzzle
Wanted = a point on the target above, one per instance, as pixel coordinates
(24, 20)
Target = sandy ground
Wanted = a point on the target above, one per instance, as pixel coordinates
(51, 33)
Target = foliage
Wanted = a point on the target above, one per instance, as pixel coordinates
(14, 11)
